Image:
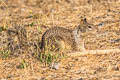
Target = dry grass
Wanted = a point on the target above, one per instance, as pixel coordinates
(37, 16)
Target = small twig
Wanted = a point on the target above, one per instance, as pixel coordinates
(87, 52)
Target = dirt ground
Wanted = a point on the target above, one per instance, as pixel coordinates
(40, 15)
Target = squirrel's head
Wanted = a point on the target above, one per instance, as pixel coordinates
(86, 27)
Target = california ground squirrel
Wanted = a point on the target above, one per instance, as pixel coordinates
(66, 38)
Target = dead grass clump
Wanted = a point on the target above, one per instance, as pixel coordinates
(17, 39)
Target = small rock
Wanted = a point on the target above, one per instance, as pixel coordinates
(101, 24)
(80, 79)
(9, 76)
(54, 65)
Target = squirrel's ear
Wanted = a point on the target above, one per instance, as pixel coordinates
(83, 20)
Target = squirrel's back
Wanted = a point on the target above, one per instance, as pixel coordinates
(59, 33)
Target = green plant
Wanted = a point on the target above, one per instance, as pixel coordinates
(4, 53)
(23, 64)
(2, 29)
(49, 54)
(48, 57)
(39, 29)
(31, 24)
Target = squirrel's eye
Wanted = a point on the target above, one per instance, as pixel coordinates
(89, 27)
